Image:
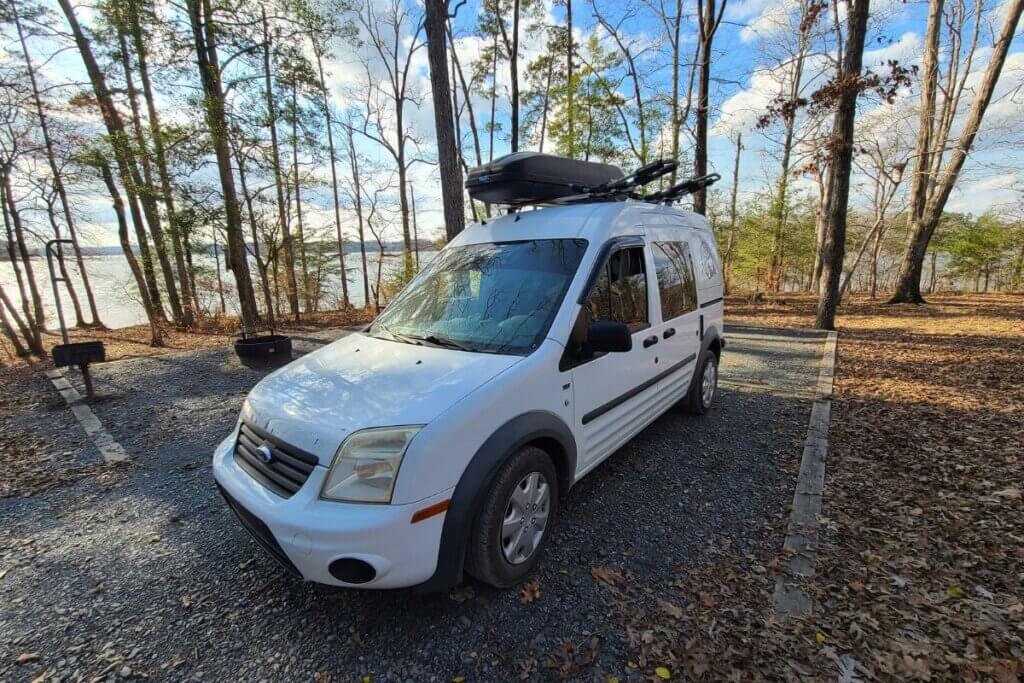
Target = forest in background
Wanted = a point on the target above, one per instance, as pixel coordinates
(209, 124)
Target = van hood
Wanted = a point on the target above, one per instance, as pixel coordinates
(361, 381)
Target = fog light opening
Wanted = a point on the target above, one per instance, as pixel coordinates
(352, 570)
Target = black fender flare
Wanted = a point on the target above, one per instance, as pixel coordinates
(482, 468)
(710, 335)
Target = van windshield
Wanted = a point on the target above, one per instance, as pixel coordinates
(497, 297)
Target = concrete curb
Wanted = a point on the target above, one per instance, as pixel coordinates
(801, 544)
(110, 449)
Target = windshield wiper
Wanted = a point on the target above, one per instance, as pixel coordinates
(444, 341)
(405, 338)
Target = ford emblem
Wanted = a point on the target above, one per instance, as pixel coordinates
(266, 455)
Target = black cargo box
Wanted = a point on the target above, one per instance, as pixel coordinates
(534, 178)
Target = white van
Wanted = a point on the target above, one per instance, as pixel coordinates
(445, 436)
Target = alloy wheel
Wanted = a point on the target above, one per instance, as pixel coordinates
(526, 518)
(708, 383)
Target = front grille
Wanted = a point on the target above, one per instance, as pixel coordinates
(288, 469)
(259, 531)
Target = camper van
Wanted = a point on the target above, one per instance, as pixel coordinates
(444, 437)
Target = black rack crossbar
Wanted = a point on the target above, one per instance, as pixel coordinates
(681, 189)
(645, 174)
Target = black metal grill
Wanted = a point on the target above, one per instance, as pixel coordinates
(259, 531)
(288, 467)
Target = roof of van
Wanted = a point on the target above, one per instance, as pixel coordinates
(592, 221)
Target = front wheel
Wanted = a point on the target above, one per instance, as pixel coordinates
(515, 519)
(704, 385)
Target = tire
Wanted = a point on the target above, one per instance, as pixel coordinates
(494, 556)
(700, 397)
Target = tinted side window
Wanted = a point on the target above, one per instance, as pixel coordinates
(675, 279)
(620, 292)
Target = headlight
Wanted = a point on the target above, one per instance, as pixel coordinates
(365, 467)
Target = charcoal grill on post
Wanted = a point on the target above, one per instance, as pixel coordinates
(79, 354)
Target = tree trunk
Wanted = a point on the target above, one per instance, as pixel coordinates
(514, 74)
(20, 349)
(334, 180)
(926, 211)
(467, 97)
(839, 178)
(727, 265)
(873, 273)
(568, 79)
(676, 124)
(38, 316)
(299, 234)
(708, 25)
(12, 255)
(291, 286)
(156, 133)
(457, 117)
(156, 336)
(415, 235)
(820, 224)
(447, 153)
(144, 184)
(357, 192)
(203, 33)
(494, 97)
(261, 265)
(58, 180)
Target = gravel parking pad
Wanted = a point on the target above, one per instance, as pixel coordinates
(151, 575)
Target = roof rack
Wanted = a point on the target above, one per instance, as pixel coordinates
(528, 178)
(626, 188)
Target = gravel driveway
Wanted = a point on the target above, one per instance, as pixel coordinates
(148, 574)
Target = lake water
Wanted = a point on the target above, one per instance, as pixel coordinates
(117, 296)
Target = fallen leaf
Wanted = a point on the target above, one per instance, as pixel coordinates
(955, 592)
(819, 637)
(529, 592)
(707, 599)
(663, 673)
(607, 576)
(28, 657)
(670, 609)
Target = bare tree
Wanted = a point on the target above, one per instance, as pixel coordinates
(384, 28)
(931, 184)
(58, 179)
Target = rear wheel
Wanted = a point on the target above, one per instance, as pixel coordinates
(514, 522)
(704, 385)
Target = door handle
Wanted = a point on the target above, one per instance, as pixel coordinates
(670, 332)
(651, 341)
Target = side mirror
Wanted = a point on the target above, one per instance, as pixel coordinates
(609, 336)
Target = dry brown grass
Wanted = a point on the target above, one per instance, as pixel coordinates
(133, 342)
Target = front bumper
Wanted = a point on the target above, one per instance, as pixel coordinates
(306, 534)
